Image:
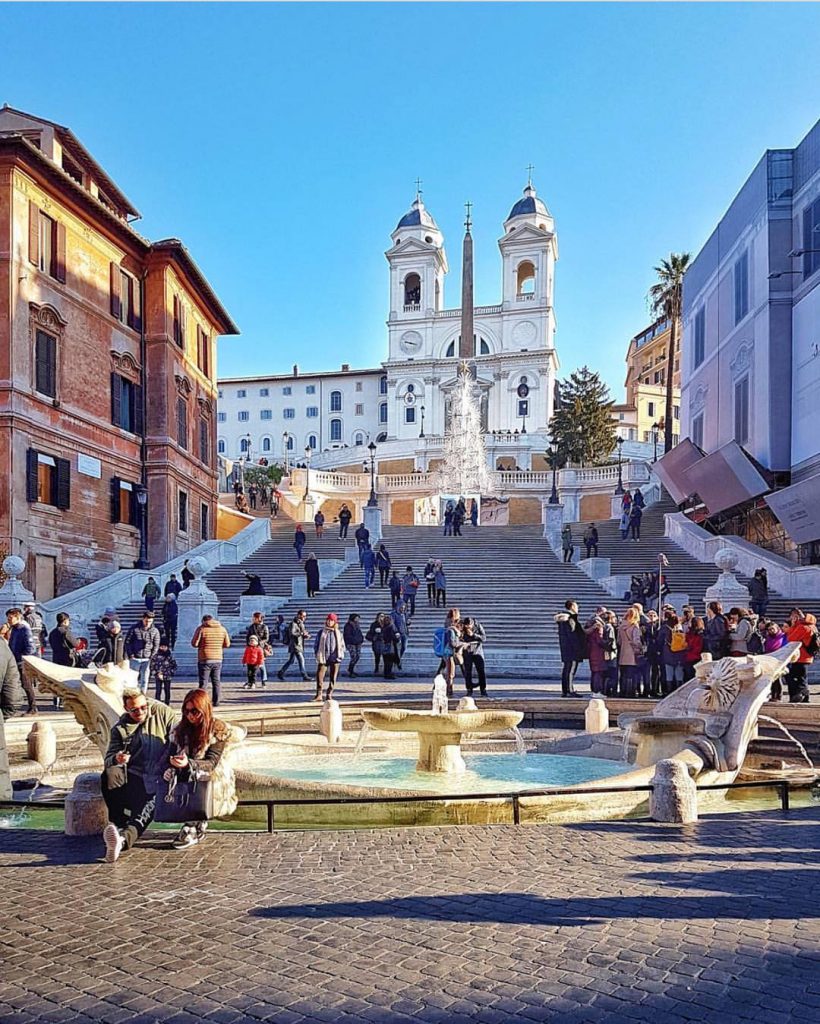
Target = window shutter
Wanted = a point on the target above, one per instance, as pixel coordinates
(206, 354)
(33, 233)
(32, 468)
(176, 319)
(182, 423)
(116, 399)
(138, 418)
(183, 325)
(135, 307)
(63, 483)
(116, 307)
(59, 252)
(115, 499)
(133, 508)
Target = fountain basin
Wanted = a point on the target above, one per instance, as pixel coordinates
(440, 736)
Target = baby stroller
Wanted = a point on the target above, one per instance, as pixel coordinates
(84, 657)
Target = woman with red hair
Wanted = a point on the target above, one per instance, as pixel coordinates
(194, 750)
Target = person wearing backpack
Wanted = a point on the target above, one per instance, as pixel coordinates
(430, 580)
(741, 628)
(802, 630)
(673, 648)
(448, 641)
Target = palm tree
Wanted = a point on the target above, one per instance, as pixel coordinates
(666, 300)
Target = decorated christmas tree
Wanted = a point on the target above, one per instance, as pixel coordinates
(464, 468)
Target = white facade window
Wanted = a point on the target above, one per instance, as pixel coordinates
(265, 444)
(410, 414)
(244, 445)
(742, 410)
(312, 441)
(741, 276)
(264, 392)
(310, 389)
(358, 439)
(291, 444)
(335, 430)
(241, 393)
(335, 401)
(360, 409)
(383, 412)
(383, 385)
(359, 385)
(650, 408)
(243, 415)
(220, 446)
(221, 417)
(312, 411)
(289, 414)
(219, 393)
(287, 389)
(266, 414)
(676, 412)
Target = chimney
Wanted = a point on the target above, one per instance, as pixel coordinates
(345, 367)
(295, 369)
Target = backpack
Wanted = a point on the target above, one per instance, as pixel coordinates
(677, 642)
(754, 645)
(441, 643)
(813, 646)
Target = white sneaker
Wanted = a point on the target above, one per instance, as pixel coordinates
(114, 842)
(187, 837)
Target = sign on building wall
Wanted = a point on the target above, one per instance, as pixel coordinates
(89, 466)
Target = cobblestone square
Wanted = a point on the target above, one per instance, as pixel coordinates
(628, 921)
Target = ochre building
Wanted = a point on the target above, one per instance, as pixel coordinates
(107, 371)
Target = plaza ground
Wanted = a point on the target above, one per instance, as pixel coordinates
(628, 921)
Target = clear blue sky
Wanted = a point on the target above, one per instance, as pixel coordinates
(281, 142)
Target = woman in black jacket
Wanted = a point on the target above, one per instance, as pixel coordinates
(62, 641)
(312, 575)
(353, 638)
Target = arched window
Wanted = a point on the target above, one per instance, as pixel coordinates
(335, 401)
(312, 442)
(220, 447)
(525, 278)
(412, 292)
(335, 430)
(358, 439)
(244, 446)
(265, 444)
(383, 385)
(291, 443)
(383, 412)
(482, 348)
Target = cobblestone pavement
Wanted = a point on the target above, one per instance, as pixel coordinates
(627, 922)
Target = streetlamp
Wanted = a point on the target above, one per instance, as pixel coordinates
(620, 488)
(552, 458)
(308, 453)
(421, 432)
(372, 502)
(655, 428)
(285, 451)
(142, 503)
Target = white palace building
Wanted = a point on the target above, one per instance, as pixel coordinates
(403, 405)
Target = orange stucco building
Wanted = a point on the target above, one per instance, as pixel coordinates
(107, 371)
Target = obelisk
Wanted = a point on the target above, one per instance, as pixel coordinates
(466, 345)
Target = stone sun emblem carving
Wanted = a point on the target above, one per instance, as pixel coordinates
(722, 687)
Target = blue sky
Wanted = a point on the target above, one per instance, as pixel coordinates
(281, 142)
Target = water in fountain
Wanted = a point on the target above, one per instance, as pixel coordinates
(520, 745)
(360, 742)
(464, 467)
(18, 819)
(788, 735)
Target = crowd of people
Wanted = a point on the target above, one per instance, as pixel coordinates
(646, 654)
(256, 497)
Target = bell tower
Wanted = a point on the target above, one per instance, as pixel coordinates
(418, 264)
(529, 249)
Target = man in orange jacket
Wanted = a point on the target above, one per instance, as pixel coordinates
(210, 640)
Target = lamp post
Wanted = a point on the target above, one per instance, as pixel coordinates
(421, 432)
(655, 428)
(142, 503)
(552, 456)
(620, 488)
(285, 451)
(308, 453)
(372, 502)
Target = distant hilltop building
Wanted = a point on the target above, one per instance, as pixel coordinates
(403, 404)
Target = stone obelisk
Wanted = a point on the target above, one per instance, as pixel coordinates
(466, 345)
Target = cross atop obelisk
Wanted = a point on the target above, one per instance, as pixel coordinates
(466, 345)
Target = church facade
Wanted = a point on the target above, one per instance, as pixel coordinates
(406, 400)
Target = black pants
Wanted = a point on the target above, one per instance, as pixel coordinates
(589, 548)
(635, 529)
(394, 599)
(441, 597)
(477, 661)
(568, 552)
(388, 664)
(160, 686)
(28, 686)
(456, 528)
(130, 808)
(383, 575)
(171, 634)
(431, 593)
(568, 677)
(343, 530)
(798, 687)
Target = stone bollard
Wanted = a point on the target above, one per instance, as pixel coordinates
(675, 795)
(85, 810)
(42, 744)
(330, 721)
(596, 716)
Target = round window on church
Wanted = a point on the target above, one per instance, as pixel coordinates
(411, 388)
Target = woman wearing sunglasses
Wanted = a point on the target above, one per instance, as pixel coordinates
(195, 750)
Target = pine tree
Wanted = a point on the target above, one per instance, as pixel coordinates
(582, 428)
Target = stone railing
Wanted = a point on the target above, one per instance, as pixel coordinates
(126, 585)
(522, 479)
(525, 297)
(453, 314)
(790, 580)
(412, 307)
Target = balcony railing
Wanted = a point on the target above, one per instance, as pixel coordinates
(525, 297)
(412, 307)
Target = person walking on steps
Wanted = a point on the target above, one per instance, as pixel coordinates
(211, 640)
(21, 642)
(474, 513)
(187, 575)
(368, 559)
(345, 515)
(459, 515)
(362, 536)
(567, 546)
(572, 643)
(312, 576)
(448, 519)
(383, 564)
(354, 639)
(409, 589)
(430, 580)
(150, 593)
(591, 540)
(319, 524)
(253, 659)
(329, 648)
(299, 541)
(759, 592)
(440, 581)
(623, 524)
(141, 644)
(297, 634)
(635, 517)
(395, 588)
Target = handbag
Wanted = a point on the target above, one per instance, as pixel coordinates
(178, 801)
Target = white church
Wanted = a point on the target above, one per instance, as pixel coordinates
(403, 405)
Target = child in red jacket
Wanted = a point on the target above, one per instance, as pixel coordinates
(253, 658)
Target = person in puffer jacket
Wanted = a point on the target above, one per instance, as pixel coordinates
(572, 642)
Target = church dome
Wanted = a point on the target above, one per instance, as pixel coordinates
(530, 204)
(417, 216)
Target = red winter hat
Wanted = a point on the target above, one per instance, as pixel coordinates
(332, 616)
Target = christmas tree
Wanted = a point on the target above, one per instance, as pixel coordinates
(464, 468)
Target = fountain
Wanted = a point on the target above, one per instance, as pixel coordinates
(439, 735)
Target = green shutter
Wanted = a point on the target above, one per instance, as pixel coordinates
(63, 483)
